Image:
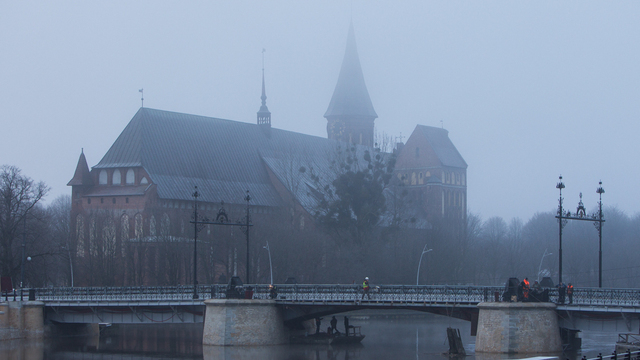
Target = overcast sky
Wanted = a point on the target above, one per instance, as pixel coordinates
(527, 90)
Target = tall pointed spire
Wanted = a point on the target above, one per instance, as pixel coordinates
(350, 114)
(264, 115)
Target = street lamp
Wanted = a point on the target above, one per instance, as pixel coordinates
(424, 251)
(543, 256)
(270, 267)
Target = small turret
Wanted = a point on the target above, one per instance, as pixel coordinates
(82, 175)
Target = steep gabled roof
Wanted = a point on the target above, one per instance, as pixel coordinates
(223, 158)
(443, 147)
(351, 97)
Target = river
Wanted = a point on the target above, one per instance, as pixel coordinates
(388, 336)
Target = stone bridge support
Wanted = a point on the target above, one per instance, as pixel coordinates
(523, 328)
(243, 322)
(21, 319)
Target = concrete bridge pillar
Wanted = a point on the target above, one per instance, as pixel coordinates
(243, 322)
(518, 327)
(21, 319)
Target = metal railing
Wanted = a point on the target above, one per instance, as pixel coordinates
(434, 294)
(628, 355)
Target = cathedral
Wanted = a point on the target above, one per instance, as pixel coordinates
(142, 190)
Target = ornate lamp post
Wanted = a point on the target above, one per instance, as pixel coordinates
(246, 229)
(195, 243)
(424, 251)
(581, 214)
(221, 219)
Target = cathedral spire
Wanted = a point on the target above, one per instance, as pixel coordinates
(264, 115)
(350, 115)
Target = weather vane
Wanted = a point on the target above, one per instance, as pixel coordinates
(141, 91)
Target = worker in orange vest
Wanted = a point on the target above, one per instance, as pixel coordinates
(525, 289)
(570, 292)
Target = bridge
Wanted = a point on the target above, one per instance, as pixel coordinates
(613, 309)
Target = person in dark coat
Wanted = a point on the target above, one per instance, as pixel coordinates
(334, 324)
(318, 322)
(346, 326)
(562, 288)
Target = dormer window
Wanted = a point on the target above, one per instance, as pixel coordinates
(144, 181)
(102, 178)
(131, 177)
(117, 179)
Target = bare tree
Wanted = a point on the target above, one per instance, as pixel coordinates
(18, 196)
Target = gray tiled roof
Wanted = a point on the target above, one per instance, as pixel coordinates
(223, 158)
(445, 150)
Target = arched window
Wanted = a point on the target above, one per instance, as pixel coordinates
(117, 179)
(131, 177)
(109, 237)
(152, 226)
(124, 233)
(138, 226)
(165, 225)
(80, 235)
(93, 249)
(413, 178)
(102, 178)
(144, 181)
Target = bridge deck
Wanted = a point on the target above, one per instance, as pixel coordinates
(157, 304)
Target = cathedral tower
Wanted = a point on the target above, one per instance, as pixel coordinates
(350, 115)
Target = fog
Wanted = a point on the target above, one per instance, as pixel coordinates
(527, 90)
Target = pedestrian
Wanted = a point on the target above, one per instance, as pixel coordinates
(562, 288)
(525, 289)
(334, 324)
(318, 322)
(365, 288)
(570, 293)
(346, 326)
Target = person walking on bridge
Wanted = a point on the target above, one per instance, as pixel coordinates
(570, 293)
(365, 288)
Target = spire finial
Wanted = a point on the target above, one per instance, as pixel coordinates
(141, 91)
(264, 116)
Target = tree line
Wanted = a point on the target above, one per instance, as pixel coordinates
(354, 233)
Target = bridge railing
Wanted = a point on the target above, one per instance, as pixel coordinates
(333, 293)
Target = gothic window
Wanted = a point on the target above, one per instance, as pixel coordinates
(124, 232)
(102, 178)
(428, 174)
(165, 225)
(109, 237)
(144, 181)
(80, 234)
(116, 177)
(92, 237)
(462, 180)
(131, 177)
(152, 226)
(138, 228)
(413, 178)
(420, 179)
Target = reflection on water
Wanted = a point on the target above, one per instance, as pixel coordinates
(388, 336)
